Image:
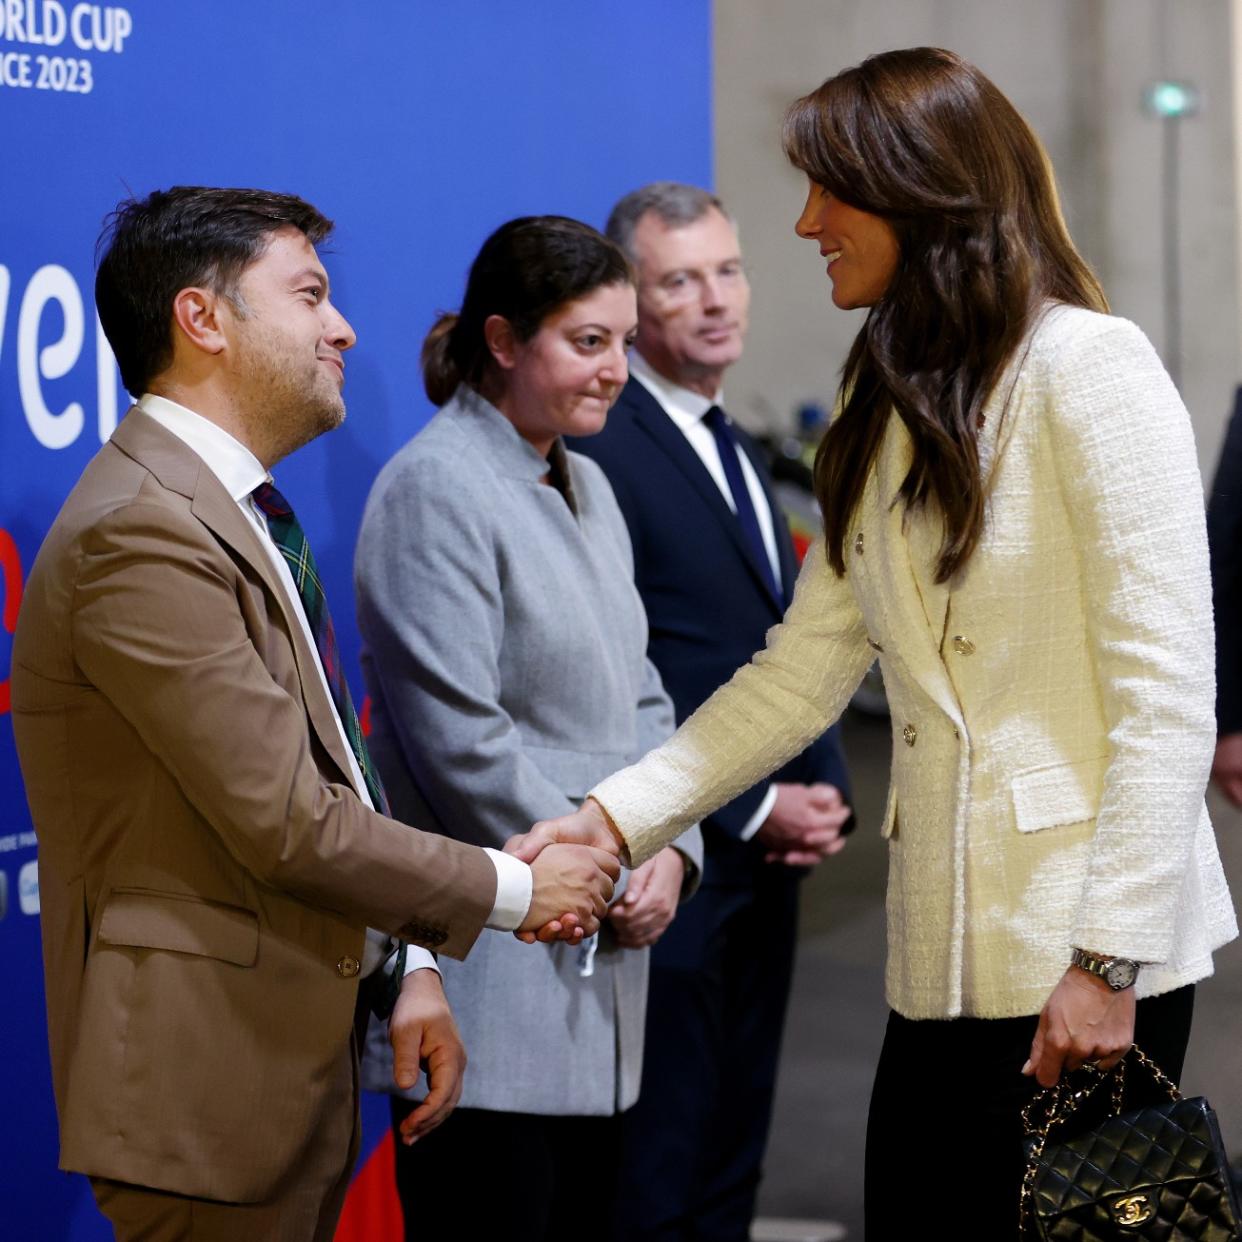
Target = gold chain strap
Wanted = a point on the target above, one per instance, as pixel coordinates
(1060, 1102)
(1161, 1078)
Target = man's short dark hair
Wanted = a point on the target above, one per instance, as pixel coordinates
(175, 239)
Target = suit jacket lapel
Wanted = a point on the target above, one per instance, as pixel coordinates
(923, 537)
(181, 470)
(910, 545)
(918, 608)
(650, 416)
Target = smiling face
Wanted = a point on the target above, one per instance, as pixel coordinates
(694, 298)
(286, 342)
(861, 249)
(564, 380)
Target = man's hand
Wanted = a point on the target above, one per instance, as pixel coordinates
(804, 824)
(650, 900)
(1084, 1020)
(571, 888)
(1227, 767)
(423, 1034)
(588, 825)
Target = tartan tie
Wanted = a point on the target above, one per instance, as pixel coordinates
(288, 535)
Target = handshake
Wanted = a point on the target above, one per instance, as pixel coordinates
(575, 864)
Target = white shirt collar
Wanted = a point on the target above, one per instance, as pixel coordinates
(227, 458)
(684, 406)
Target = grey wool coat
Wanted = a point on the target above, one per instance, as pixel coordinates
(505, 654)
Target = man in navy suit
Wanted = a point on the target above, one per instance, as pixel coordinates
(716, 568)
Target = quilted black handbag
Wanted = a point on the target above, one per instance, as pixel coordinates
(1156, 1172)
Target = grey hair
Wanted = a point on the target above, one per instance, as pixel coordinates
(673, 202)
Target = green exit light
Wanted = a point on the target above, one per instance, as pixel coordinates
(1172, 99)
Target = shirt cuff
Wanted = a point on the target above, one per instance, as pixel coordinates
(514, 887)
(418, 958)
(755, 822)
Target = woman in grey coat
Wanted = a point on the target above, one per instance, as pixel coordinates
(505, 653)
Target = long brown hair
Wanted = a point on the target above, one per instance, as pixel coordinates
(924, 140)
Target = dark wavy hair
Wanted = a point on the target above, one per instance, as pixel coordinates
(173, 239)
(526, 270)
(925, 141)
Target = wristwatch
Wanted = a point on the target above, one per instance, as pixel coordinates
(1118, 972)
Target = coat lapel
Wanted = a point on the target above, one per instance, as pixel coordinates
(652, 419)
(916, 607)
(909, 545)
(181, 470)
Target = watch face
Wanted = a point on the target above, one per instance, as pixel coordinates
(1120, 974)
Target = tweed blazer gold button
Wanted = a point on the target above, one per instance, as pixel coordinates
(911, 734)
(348, 967)
(962, 645)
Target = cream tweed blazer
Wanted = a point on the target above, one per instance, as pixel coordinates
(1052, 706)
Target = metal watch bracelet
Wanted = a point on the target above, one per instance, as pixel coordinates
(1118, 972)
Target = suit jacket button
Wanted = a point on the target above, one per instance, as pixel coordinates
(911, 734)
(874, 645)
(858, 544)
(348, 967)
(962, 645)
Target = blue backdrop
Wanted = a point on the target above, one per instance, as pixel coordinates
(419, 126)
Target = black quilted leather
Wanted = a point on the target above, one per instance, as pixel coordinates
(1153, 1173)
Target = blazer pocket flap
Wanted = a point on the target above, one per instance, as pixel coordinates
(1059, 793)
(146, 920)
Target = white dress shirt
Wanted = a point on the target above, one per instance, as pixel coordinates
(240, 472)
(686, 408)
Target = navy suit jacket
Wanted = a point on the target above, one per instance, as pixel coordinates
(1225, 539)
(708, 604)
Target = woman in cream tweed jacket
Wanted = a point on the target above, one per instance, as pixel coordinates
(1014, 526)
(1052, 711)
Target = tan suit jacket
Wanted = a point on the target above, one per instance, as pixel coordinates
(207, 871)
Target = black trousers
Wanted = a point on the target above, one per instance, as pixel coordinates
(517, 1176)
(944, 1134)
(693, 1145)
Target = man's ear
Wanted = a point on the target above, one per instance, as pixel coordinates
(501, 341)
(199, 313)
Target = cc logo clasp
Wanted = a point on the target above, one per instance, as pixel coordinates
(1132, 1211)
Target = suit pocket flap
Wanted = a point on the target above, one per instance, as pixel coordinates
(1059, 793)
(146, 920)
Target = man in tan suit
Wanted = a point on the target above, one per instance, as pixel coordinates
(217, 876)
